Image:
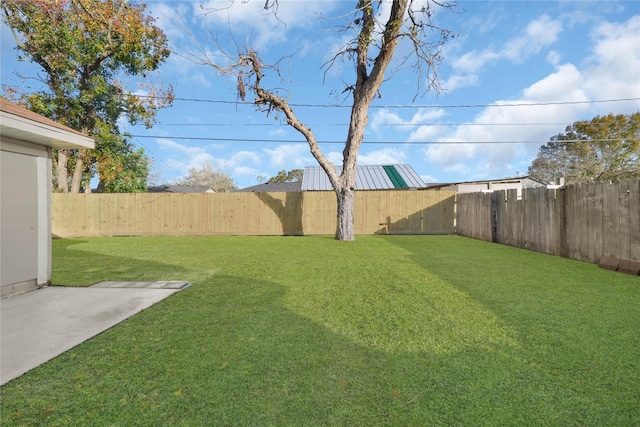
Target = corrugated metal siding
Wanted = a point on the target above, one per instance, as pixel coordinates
(368, 177)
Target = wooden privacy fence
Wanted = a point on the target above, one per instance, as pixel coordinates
(300, 213)
(584, 221)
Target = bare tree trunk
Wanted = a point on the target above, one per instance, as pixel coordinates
(77, 174)
(63, 176)
(345, 229)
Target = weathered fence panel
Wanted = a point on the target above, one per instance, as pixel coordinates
(583, 221)
(473, 217)
(382, 212)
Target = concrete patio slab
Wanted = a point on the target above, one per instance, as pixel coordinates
(39, 325)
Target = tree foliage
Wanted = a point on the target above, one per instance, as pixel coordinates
(373, 32)
(294, 175)
(604, 148)
(209, 176)
(87, 50)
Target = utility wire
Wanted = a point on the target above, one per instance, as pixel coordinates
(525, 104)
(298, 141)
(381, 125)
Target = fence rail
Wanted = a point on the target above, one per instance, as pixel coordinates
(303, 213)
(583, 221)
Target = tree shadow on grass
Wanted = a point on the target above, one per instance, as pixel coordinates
(569, 318)
(228, 352)
(74, 266)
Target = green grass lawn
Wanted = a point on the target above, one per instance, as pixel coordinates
(386, 330)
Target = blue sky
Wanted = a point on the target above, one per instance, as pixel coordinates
(563, 59)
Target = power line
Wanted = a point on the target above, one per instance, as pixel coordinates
(298, 141)
(514, 104)
(382, 124)
(524, 104)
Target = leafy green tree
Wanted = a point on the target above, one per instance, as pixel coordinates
(294, 175)
(604, 148)
(370, 41)
(209, 176)
(86, 49)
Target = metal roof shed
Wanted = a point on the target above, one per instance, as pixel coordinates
(368, 177)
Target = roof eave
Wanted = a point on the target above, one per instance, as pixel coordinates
(25, 129)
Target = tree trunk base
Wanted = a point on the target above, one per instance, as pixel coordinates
(345, 229)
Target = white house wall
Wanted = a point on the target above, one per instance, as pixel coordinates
(25, 199)
(507, 186)
(472, 188)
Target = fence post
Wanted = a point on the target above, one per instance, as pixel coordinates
(561, 203)
(494, 216)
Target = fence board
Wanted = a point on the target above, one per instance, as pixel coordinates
(85, 215)
(582, 213)
(590, 220)
(610, 219)
(583, 221)
(634, 219)
(625, 241)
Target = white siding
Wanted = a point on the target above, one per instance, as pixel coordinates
(19, 220)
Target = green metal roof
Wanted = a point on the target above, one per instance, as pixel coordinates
(395, 177)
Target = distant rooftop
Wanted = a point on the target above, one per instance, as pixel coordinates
(368, 177)
(517, 179)
(274, 187)
(172, 188)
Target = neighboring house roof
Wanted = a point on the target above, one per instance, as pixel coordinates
(527, 181)
(172, 188)
(19, 123)
(368, 177)
(274, 187)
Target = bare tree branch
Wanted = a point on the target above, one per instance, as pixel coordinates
(371, 51)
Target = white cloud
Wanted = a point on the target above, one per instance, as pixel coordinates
(247, 171)
(543, 31)
(172, 145)
(473, 61)
(169, 18)
(615, 64)
(334, 157)
(460, 81)
(451, 158)
(289, 156)
(250, 16)
(554, 57)
(564, 84)
(539, 33)
(610, 73)
(426, 133)
(384, 156)
(510, 124)
(384, 117)
(245, 156)
(183, 157)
